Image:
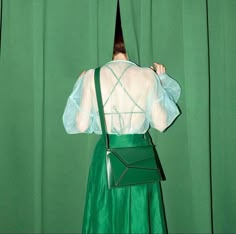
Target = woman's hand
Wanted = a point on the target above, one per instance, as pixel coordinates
(158, 68)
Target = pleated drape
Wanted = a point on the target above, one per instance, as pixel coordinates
(46, 44)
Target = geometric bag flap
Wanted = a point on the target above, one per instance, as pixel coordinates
(132, 166)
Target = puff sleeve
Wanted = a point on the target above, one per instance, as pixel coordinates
(78, 115)
(162, 103)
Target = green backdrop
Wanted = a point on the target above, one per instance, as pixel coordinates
(46, 44)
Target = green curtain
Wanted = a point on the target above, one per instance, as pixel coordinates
(43, 171)
(178, 32)
(46, 44)
(222, 31)
(196, 42)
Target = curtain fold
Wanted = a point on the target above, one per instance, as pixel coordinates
(46, 44)
(222, 31)
(38, 91)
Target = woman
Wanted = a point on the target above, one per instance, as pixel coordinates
(134, 99)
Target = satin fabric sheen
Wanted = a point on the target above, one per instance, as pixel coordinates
(135, 209)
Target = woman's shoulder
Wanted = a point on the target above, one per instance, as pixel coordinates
(146, 73)
(89, 72)
(87, 75)
(84, 79)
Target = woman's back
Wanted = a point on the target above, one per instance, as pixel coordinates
(125, 90)
(133, 99)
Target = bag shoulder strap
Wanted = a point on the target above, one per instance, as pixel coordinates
(100, 104)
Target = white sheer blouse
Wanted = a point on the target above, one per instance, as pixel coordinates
(134, 99)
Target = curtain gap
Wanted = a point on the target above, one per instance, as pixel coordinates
(118, 27)
(209, 83)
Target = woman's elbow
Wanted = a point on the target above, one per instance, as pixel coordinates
(160, 121)
(160, 124)
(81, 127)
(161, 127)
(82, 123)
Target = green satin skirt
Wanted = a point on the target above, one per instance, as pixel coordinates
(135, 209)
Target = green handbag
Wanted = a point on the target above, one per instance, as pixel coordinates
(127, 166)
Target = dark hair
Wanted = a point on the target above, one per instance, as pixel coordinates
(119, 45)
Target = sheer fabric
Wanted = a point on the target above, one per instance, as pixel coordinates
(134, 99)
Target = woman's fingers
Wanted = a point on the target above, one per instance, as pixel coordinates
(159, 68)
